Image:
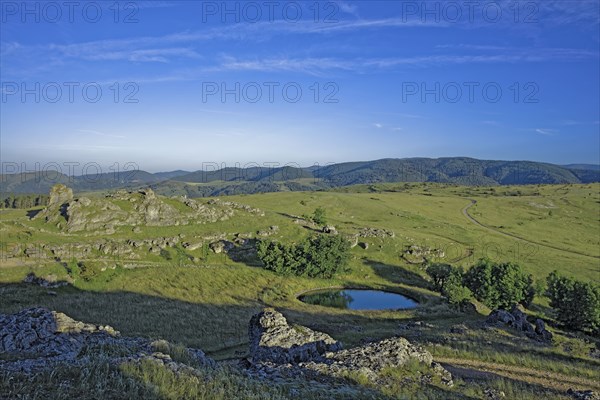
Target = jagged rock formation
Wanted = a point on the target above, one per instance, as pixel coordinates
(517, 319)
(37, 338)
(273, 339)
(59, 195)
(280, 350)
(124, 208)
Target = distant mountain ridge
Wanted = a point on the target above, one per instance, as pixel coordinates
(592, 167)
(456, 170)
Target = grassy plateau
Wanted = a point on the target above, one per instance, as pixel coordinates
(201, 299)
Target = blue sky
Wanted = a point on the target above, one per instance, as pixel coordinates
(492, 80)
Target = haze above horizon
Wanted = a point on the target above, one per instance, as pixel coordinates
(171, 85)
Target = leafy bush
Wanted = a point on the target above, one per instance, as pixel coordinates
(318, 256)
(577, 303)
(448, 280)
(499, 285)
(438, 273)
(319, 216)
(454, 290)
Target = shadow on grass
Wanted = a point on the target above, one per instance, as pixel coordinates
(211, 327)
(398, 275)
(31, 214)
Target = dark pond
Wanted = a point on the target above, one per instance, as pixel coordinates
(359, 299)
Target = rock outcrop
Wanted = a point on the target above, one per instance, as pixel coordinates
(272, 339)
(517, 319)
(330, 229)
(280, 350)
(135, 208)
(59, 195)
(37, 338)
(376, 233)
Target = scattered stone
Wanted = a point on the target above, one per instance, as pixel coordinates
(353, 240)
(50, 281)
(364, 245)
(418, 254)
(517, 319)
(459, 329)
(493, 394)
(330, 229)
(540, 329)
(222, 246)
(583, 394)
(39, 339)
(500, 316)
(376, 233)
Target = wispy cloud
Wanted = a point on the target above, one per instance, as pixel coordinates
(545, 131)
(347, 8)
(98, 133)
(316, 66)
(378, 125)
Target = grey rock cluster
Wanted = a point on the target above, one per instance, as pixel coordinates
(268, 232)
(37, 338)
(583, 394)
(50, 281)
(517, 319)
(423, 252)
(278, 349)
(330, 229)
(237, 206)
(376, 233)
(272, 339)
(143, 208)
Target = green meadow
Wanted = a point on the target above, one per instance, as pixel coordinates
(208, 303)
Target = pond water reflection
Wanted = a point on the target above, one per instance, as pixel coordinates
(359, 299)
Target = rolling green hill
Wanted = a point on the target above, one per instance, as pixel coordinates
(230, 181)
(146, 265)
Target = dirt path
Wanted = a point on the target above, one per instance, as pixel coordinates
(473, 369)
(465, 212)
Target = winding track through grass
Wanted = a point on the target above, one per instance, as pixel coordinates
(465, 212)
(474, 369)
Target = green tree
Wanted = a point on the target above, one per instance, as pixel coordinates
(454, 290)
(318, 256)
(438, 273)
(499, 285)
(325, 255)
(319, 216)
(577, 303)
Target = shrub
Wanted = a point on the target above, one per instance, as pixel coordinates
(499, 285)
(438, 273)
(319, 216)
(319, 256)
(448, 280)
(577, 303)
(454, 290)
